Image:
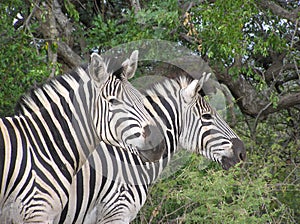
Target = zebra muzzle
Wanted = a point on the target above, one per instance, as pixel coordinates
(239, 154)
(153, 153)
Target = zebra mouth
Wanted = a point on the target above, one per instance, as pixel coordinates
(229, 162)
(153, 154)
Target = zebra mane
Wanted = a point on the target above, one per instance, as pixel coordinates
(31, 100)
(168, 84)
(114, 67)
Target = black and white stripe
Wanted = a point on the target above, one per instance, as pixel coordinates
(113, 185)
(57, 127)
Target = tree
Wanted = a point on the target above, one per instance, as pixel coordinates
(252, 47)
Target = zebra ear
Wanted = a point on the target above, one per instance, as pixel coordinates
(98, 69)
(194, 87)
(205, 76)
(130, 65)
(190, 91)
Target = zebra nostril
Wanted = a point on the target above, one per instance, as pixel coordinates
(137, 134)
(239, 148)
(147, 131)
(242, 156)
(224, 143)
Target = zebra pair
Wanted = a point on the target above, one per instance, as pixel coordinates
(58, 126)
(113, 185)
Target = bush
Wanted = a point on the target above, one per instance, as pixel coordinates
(262, 191)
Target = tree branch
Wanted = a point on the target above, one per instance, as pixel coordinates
(63, 21)
(286, 101)
(250, 101)
(245, 95)
(274, 69)
(135, 4)
(70, 58)
(49, 28)
(279, 11)
(53, 34)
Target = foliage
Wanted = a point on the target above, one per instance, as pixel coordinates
(225, 39)
(21, 63)
(158, 21)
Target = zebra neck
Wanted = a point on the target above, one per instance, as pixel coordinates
(168, 120)
(62, 109)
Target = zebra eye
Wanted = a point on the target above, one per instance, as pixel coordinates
(111, 100)
(114, 101)
(206, 116)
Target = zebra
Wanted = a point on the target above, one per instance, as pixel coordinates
(57, 127)
(113, 185)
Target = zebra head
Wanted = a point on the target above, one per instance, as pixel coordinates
(205, 132)
(124, 116)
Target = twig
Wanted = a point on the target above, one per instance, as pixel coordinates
(36, 5)
(176, 210)
(230, 102)
(259, 114)
(154, 212)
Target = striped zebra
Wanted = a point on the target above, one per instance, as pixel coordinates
(113, 185)
(58, 125)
